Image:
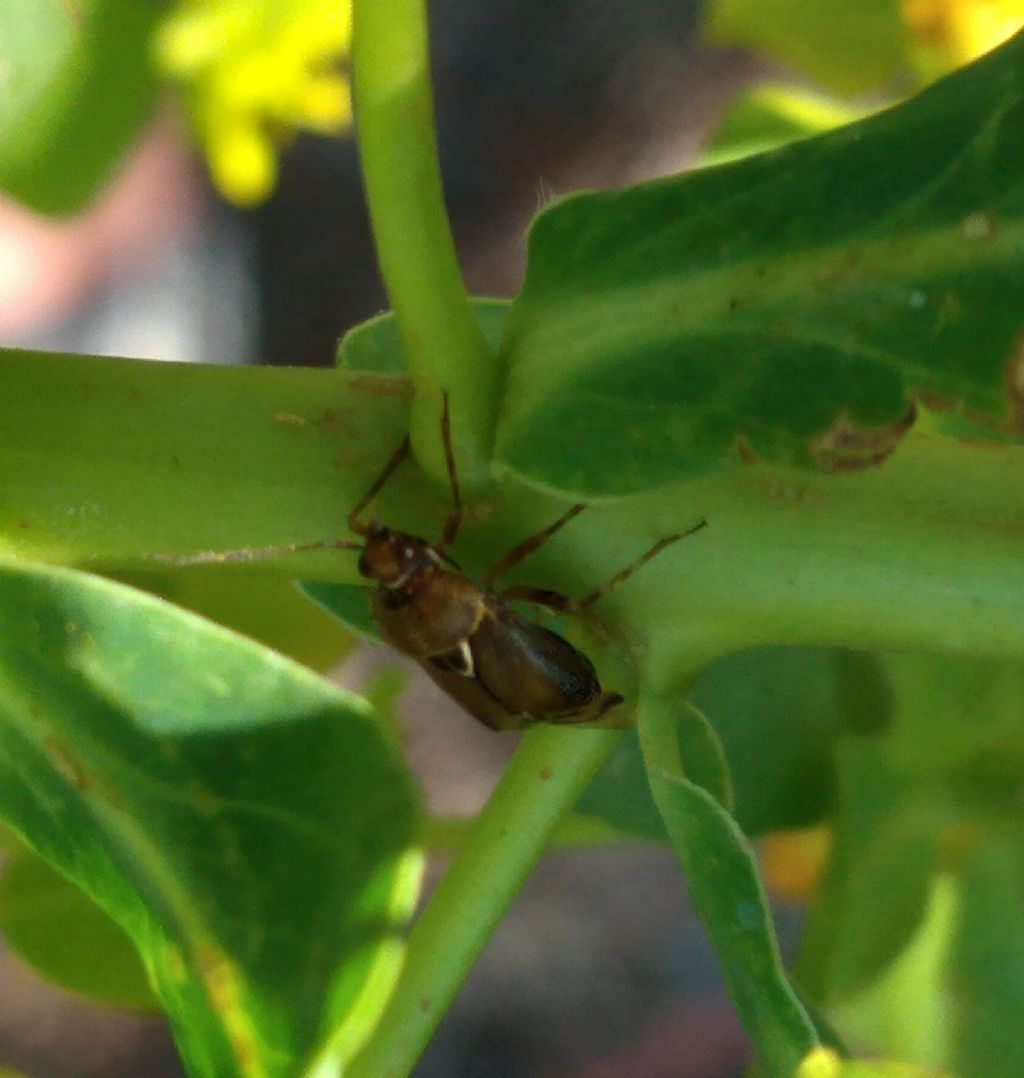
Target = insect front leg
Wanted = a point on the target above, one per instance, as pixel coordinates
(453, 522)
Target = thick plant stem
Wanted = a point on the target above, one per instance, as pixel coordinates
(444, 346)
(541, 784)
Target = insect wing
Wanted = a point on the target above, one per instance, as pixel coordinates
(528, 669)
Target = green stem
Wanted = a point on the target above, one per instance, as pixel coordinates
(542, 782)
(449, 834)
(444, 346)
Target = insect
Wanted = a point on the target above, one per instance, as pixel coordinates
(504, 669)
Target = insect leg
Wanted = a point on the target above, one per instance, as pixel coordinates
(624, 574)
(529, 545)
(550, 600)
(454, 519)
(389, 469)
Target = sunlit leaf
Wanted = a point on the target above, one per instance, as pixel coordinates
(790, 306)
(66, 937)
(248, 825)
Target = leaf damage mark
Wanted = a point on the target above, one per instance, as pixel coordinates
(66, 764)
(289, 419)
(745, 451)
(846, 446)
(224, 987)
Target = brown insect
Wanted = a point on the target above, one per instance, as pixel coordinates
(504, 669)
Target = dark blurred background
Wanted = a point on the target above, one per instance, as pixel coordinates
(600, 970)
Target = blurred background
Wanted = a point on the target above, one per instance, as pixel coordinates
(600, 970)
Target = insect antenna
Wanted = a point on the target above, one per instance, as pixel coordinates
(252, 553)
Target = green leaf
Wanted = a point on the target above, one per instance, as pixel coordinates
(347, 603)
(620, 793)
(66, 937)
(951, 748)
(374, 346)
(111, 460)
(884, 854)
(907, 1013)
(267, 608)
(987, 967)
(958, 718)
(78, 86)
(784, 697)
(770, 116)
(725, 889)
(789, 306)
(848, 48)
(247, 824)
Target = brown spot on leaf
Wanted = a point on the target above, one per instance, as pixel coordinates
(328, 421)
(846, 446)
(64, 761)
(65, 764)
(545, 773)
(223, 986)
(425, 1005)
(933, 401)
(337, 424)
(744, 450)
(379, 385)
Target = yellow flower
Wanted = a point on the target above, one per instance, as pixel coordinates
(793, 861)
(954, 32)
(254, 73)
